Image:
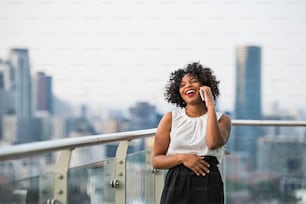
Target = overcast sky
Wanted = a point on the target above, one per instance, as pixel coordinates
(116, 53)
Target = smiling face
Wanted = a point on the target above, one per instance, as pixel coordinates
(174, 92)
(189, 88)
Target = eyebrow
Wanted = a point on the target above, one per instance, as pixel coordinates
(192, 77)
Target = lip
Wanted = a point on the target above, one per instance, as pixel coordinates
(190, 92)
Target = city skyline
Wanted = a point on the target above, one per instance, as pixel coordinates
(102, 53)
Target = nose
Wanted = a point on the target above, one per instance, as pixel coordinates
(188, 84)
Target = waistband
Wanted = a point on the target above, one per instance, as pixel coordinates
(212, 160)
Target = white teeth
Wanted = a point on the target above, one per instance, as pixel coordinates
(190, 91)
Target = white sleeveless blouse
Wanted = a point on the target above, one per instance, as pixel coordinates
(188, 135)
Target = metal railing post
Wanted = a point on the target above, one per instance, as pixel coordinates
(149, 180)
(119, 182)
(60, 188)
(222, 169)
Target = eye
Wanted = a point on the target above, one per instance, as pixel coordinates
(194, 80)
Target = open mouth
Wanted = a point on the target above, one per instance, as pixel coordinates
(190, 92)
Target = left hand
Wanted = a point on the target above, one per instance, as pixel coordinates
(209, 99)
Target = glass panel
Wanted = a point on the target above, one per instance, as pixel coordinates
(31, 190)
(46, 183)
(139, 179)
(21, 182)
(266, 165)
(91, 183)
(26, 180)
(87, 155)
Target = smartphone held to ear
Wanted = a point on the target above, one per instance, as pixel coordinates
(202, 95)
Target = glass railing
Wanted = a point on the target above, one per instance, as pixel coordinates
(266, 163)
(116, 168)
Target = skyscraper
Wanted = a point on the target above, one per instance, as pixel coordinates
(2, 97)
(19, 60)
(43, 93)
(22, 96)
(248, 82)
(248, 98)
(8, 87)
(7, 103)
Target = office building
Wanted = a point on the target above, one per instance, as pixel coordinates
(21, 90)
(19, 60)
(7, 102)
(247, 99)
(43, 97)
(143, 116)
(2, 98)
(7, 87)
(9, 133)
(286, 155)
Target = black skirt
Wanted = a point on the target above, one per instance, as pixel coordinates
(183, 186)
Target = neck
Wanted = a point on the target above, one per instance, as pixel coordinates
(195, 111)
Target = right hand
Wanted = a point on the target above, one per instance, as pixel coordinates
(196, 163)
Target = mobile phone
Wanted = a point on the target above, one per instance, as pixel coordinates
(202, 95)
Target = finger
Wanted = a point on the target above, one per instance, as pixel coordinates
(204, 166)
(204, 169)
(203, 172)
(199, 171)
(208, 93)
(195, 171)
(204, 163)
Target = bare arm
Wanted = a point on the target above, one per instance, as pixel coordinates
(161, 143)
(217, 132)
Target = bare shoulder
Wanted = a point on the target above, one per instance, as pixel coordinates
(162, 137)
(168, 116)
(226, 118)
(225, 121)
(165, 121)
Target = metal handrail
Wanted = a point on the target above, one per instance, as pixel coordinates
(28, 149)
(269, 122)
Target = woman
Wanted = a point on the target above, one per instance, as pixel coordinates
(189, 140)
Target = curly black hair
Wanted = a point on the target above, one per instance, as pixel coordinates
(204, 74)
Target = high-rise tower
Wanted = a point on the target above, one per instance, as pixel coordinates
(43, 93)
(248, 98)
(2, 97)
(22, 96)
(248, 82)
(19, 60)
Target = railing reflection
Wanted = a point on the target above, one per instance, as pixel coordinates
(75, 170)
